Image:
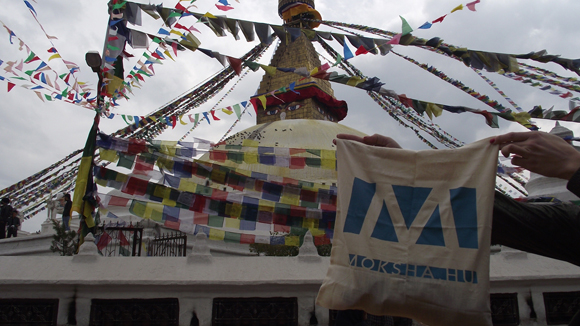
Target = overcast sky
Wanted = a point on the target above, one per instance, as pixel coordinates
(35, 134)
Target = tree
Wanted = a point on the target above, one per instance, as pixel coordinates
(63, 241)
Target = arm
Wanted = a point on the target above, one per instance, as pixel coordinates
(543, 153)
(540, 152)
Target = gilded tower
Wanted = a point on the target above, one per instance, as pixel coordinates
(312, 98)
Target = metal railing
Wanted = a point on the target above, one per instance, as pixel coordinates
(168, 245)
(120, 240)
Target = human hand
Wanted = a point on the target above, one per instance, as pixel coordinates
(540, 152)
(374, 140)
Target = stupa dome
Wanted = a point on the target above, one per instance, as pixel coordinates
(292, 133)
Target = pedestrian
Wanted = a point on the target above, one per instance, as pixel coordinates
(5, 214)
(66, 213)
(12, 224)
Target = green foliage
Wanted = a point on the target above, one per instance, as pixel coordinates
(63, 241)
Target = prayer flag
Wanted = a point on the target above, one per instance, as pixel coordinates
(406, 28)
(347, 53)
(84, 201)
(439, 20)
(471, 5)
(460, 7)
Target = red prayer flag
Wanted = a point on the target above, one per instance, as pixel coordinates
(439, 20)
(236, 64)
(179, 6)
(220, 156)
(103, 241)
(224, 8)
(361, 50)
(254, 102)
(118, 201)
(405, 100)
(247, 238)
(10, 86)
(122, 239)
(213, 115)
(200, 218)
(297, 162)
(281, 228)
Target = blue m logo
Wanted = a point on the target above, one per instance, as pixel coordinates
(410, 201)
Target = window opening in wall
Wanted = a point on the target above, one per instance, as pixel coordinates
(134, 312)
(255, 311)
(561, 307)
(504, 309)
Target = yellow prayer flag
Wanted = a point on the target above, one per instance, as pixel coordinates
(121, 178)
(108, 155)
(328, 164)
(522, 117)
(101, 182)
(292, 240)
(327, 154)
(232, 223)
(269, 70)
(216, 234)
(250, 158)
(181, 120)
(266, 205)
(228, 112)
(152, 210)
(433, 109)
(316, 232)
(290, 199)
(310, 223)
(353, 81)
(235, 210)
(176, 33)
(54, 56)
(208, 15)
(167, 53)
(460, 7)
(218, 176)
(161, 191)
(169, 202)
(186, 185)
(262, 99)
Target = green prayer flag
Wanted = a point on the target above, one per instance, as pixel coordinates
(232, 237)
(237, 110)
(124, 252)
(126, 161)
(138, 208)
(215, 221)
(252, 65)
(406, 27)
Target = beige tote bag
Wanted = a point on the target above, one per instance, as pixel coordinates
(413, 232)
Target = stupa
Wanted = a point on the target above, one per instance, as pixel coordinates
(306, 117)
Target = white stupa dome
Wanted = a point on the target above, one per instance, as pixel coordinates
(291, 133)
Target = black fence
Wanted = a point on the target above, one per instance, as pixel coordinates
(120, 240)
(168, 245)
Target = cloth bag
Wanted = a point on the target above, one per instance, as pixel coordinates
(412, 233)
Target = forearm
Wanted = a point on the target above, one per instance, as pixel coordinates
(574, 183)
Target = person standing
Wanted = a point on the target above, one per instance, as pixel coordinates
(12, 224)
(5, 214)
(66, 213)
